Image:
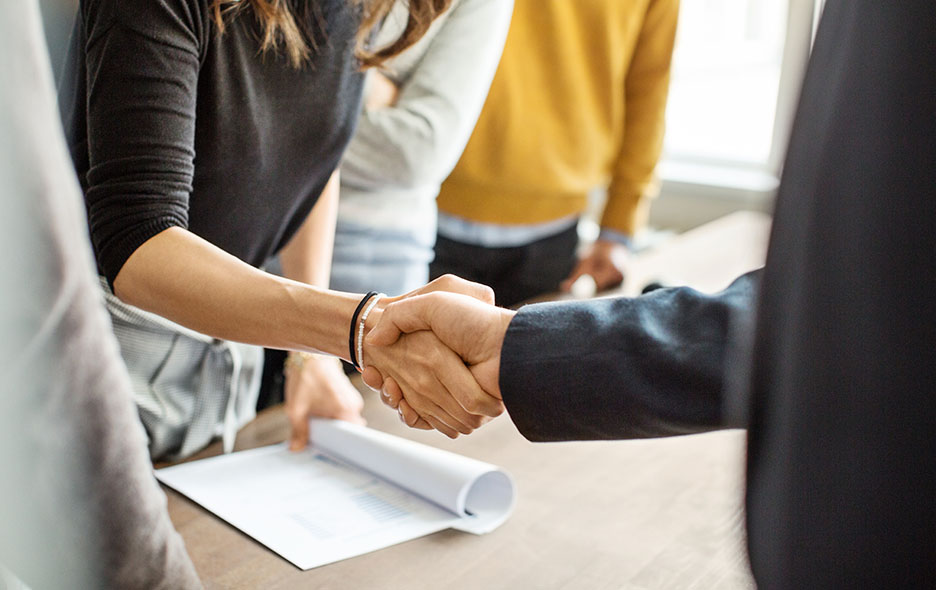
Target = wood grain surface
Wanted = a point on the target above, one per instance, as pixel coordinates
(650, 515)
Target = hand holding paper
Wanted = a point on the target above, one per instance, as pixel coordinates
(318, 387)
(353, 490)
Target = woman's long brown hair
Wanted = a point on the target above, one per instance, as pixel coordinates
(283, 29)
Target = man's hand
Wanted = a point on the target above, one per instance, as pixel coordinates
(447, 284)
(605, 261)
(320, 388)
(472, 329)
(436, 381)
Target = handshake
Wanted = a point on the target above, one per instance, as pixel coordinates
(434, 355)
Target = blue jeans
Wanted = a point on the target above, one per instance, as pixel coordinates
(371, 259)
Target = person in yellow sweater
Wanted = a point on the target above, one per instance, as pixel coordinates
(577, 103)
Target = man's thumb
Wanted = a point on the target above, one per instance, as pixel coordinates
(401, 317)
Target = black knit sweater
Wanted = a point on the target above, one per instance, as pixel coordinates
(172, 124)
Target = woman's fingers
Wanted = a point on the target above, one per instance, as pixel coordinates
(391, 394)
(372, 378)
(409, 417)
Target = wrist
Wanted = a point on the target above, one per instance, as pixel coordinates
(499, 333)
(612, 236)
(358, 325)
(314, 320)
(373, 318)
(298, 361)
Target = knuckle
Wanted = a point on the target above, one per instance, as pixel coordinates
(486, 294)
(475, 422)
(390, 311)
(423, 383)
(296, 419)
(448, 280)
(472, 405)
(438, 425)
(419, 405)
(434, 357)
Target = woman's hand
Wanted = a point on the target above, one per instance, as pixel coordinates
(318, 387)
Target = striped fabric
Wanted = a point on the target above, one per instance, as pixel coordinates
(188, 387)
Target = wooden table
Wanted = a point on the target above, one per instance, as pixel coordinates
(658, 514)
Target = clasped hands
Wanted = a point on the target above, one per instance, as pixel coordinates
(434, 354)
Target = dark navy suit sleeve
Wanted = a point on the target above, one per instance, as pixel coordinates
(624, 367)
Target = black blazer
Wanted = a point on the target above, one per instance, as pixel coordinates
(836, 377)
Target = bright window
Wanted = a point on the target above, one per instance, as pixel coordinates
(737, 71)
(726, 75)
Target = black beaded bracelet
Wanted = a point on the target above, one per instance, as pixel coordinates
(351, 338)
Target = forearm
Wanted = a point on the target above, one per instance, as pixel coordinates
(184, 278)
(622, 368)
(316, 386)
(633, 182)
(646, 91)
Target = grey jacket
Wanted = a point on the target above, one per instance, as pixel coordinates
(79, 507)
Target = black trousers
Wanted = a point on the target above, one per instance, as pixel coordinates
(516, 274)
(272, 381)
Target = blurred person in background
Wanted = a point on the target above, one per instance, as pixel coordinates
(79, 507)
(419, 110)
(577, 104)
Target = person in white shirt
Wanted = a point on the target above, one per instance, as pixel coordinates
(419, 112)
